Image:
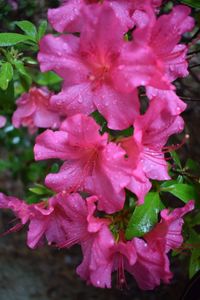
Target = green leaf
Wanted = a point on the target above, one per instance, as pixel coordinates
(176, 159)
(42, 29)
(194, 245)
(192, 3)
(47, 78)
(7, 98)
(194, 262)
(4, 164)
(29, 28)
(6, 75)
(182, 191)
(10, 39)
(144, 216)
(22, 70)
(192, 166)
(40, 189)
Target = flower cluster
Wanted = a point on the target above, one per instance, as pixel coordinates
(121, 46)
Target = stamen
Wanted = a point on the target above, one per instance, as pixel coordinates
(15, 228)
(121, 278)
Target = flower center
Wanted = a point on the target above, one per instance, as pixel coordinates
(99, 76)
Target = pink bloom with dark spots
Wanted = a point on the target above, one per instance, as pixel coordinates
(91, 164)
(35, 111)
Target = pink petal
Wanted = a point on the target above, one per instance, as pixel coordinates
(118, 109)
(2, 121)
(166, 235)
(66, 17)
(51, 144)
(151, 266)
(174, 104)
(74, 99)
(71, 177)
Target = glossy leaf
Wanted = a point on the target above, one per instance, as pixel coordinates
(144, 216)
(7, 98)
(194, 246)
(6, 75)
(22, 71)
(47, 78)
(176, 158)
(40, 190)
(42, 29)
(192, 3)
(10, 39)
(28, 28)
(182, 191)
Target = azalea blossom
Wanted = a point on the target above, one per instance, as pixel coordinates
(2, 121)
(71, 15)
(174, 104)
(14, 4)
(34, 110)
(91, 65)
(63, 220)
(45, 219)
(167, 31)
(148, 266)
(91, 163)
(161, 36)
(145, 259)
(150, 136)
(166, 235)
(139, 183)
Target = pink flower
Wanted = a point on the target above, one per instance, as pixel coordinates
(63, 220)
(151, 267)
(90, 66)
(148, 266)
(70, 16)
(14, 4)
(34, 110)
(151, 132)
(175, 105)
(139, 184)
(166, 235)
(91, 163)
(163, 36)
(145, 259)
(108, 257)
(160, 37)
(19, 207)
(2, 121)
(46, 219)
(152, 263)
